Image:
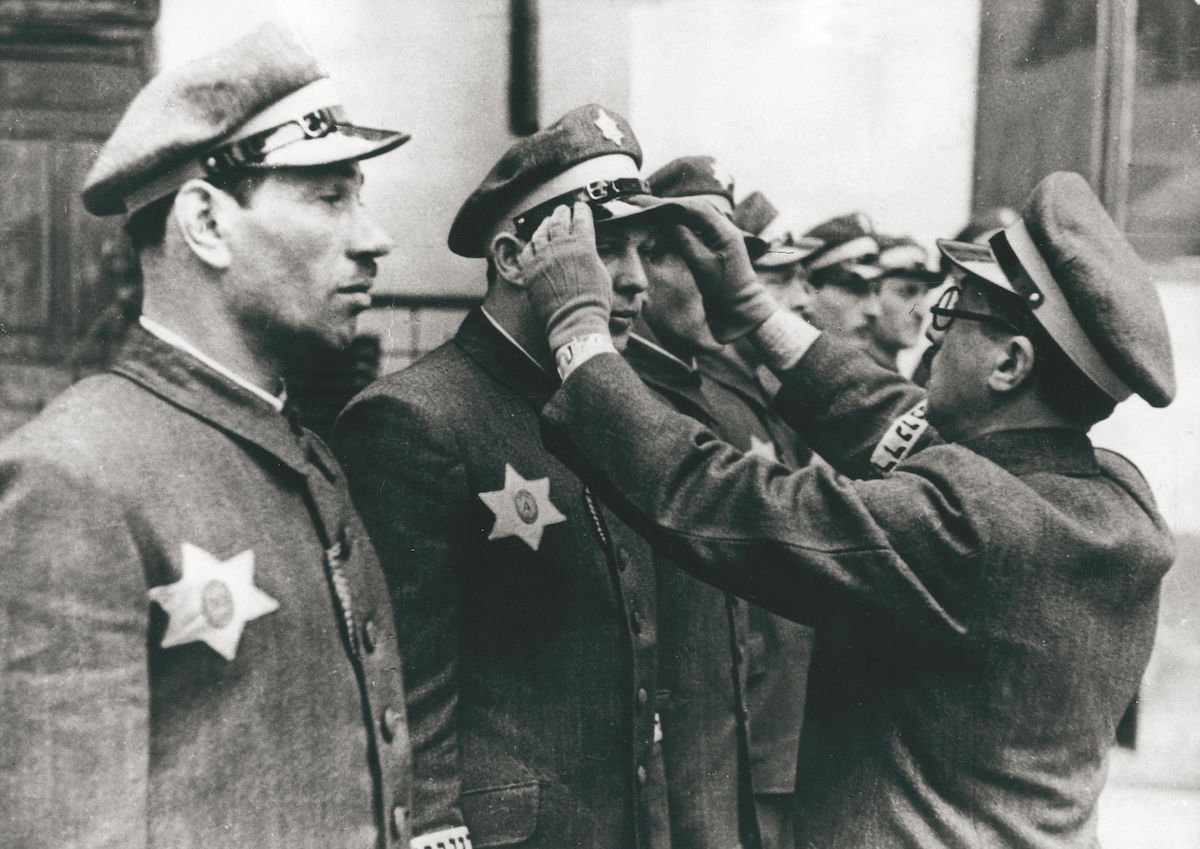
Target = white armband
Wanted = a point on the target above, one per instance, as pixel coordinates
(578, 351)
(447, 838)
(783, 339)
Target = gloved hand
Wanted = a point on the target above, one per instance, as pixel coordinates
(734, 301)
(565, 280)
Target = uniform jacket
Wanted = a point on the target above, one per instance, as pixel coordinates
(984, 612)
(777, 650)
(700, 668)
(112, 739)
(529, 610)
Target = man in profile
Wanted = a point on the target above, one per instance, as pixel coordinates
(527, 611)
(986, 607)
(198, 645)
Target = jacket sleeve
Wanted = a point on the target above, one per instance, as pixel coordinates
(858, 416)
(410, 490)
(809, 545)
(74, 685)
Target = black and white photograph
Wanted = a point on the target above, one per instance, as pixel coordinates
(599, 424)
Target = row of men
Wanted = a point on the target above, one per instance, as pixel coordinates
(480, 620)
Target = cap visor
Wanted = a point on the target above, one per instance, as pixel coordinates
(974, 259)
(346, 144)
(620, 209)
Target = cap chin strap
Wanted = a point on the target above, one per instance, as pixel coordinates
(1031, 279)
(594, 193)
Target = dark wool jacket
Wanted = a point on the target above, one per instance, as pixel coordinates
(984, 611)
(527, 608)
(112, 739)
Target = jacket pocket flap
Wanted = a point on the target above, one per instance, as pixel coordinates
(501, 816)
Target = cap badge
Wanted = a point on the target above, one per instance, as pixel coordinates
(722, 175)
(763, 448)
(608, 127)
(523, 508)
(212, 601)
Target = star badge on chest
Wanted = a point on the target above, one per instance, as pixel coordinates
(609, 128)
(763, 448)
(523, 508)
(212, 601)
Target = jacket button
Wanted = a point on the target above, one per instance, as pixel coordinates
(636, 621)
(399, 822)
(624, 559)
(390, 723)
(642, 695)
(641, 775)
(370, 633)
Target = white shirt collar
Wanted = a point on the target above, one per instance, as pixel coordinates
(176, 341)
(510, 338)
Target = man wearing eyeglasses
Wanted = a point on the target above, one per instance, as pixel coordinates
(528, 609)
(985, 608)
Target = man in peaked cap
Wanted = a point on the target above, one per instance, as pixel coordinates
(901, 288)
(986, 607)
(780, 266)
(526, 609)
(719, 659)
(199, 647)
(840, 277)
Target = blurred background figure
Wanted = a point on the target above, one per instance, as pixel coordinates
(840, 277)
(779, 268)
(903, 294)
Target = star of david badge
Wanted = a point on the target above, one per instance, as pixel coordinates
(721, 175)
(523, 508)
(212, 601)
(763, 448)
(608, 127)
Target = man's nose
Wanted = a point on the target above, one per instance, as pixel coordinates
(629, 278)
(370, 240)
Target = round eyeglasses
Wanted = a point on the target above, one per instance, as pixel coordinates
(943, 314)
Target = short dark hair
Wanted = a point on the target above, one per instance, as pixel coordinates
(1060, 384)
(147, 226)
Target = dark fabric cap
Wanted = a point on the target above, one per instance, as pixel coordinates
(849, 243)
(184, 112)
(755, 213)
(904, 256)
(1106, 284)
(689, 176)
(583, 133)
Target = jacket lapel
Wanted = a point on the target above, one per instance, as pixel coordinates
(504, 361)
(188, 384)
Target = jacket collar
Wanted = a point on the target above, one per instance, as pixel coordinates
(197, 389)
(499, 356)
(1021, 452)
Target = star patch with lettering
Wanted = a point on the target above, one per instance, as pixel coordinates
(523, 508)
(212, 601)
(608, 127)
(763, 448)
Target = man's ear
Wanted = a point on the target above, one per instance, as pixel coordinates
(202, 215)
(506, 255)
(1013, 366)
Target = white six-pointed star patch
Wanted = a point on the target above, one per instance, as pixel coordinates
(722, 175)
(763, 448)
(212, 601)
(523, 508)
(608, 127)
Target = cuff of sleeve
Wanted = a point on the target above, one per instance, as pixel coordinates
(783, 339)
(447, 838)
(578, 351)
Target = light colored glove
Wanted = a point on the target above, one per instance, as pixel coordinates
(735, 303)
(566, 282)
